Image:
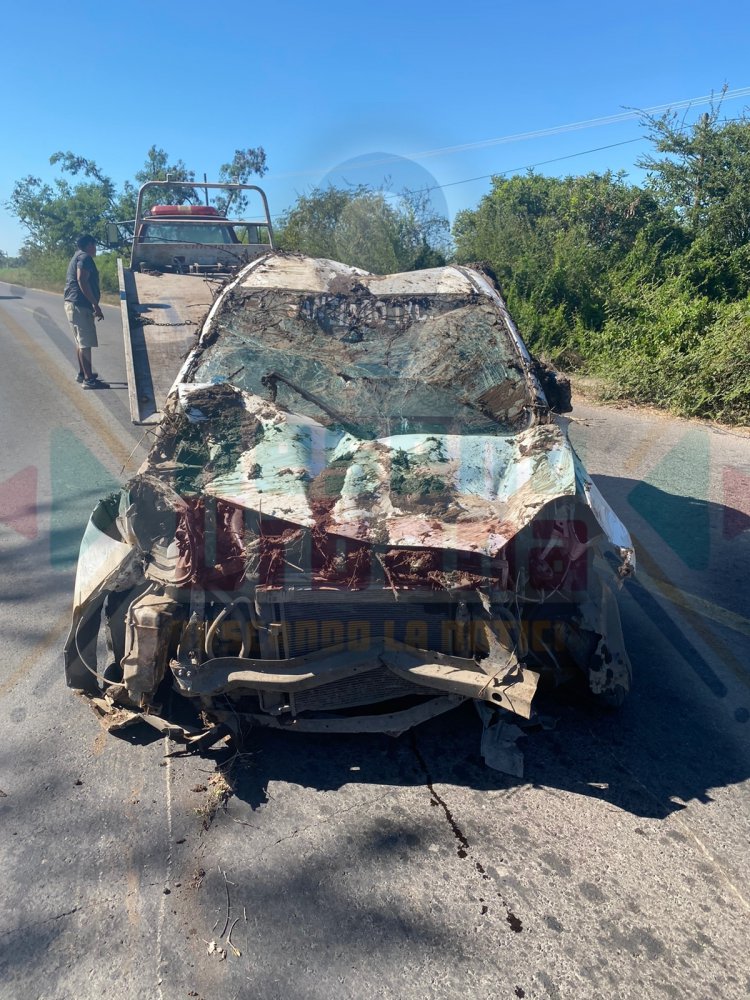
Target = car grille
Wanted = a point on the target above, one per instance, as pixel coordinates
(380, 685)
(311, 626)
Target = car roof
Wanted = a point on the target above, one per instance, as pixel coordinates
(295, 272)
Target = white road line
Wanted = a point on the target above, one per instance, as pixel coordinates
(167, 872)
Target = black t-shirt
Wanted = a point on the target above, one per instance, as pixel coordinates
(73, 291)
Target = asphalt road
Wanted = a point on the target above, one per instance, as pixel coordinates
(366, 866)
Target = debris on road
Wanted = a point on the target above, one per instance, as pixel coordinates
(215, 949)
(498, 747)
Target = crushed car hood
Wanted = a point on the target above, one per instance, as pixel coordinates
(439, 491)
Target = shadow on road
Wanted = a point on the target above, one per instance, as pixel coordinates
(689, 527)
(660, 751)
(630, 759)
(665, 748)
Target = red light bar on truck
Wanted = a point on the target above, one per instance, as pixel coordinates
(175, 210)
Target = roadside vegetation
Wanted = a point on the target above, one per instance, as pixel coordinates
(84, 199)
(646, 287)
(47, 271)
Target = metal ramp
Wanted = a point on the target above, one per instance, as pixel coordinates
(162, 316)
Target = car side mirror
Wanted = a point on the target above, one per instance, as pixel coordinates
(114, 239)
(556, 387)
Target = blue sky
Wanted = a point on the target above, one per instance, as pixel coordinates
(319, 85)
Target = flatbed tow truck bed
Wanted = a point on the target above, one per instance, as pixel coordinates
(162, 316)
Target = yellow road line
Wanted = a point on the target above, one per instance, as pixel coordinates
(635, 459)
(689, 602)
(698, 610)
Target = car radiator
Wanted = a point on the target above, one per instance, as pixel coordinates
(310, 626)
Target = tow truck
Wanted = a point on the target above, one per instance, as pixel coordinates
(181, 257)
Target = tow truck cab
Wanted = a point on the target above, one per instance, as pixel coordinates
(181, 256)
(193, 238)
(199, 224)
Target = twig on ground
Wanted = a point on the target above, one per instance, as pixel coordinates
(235, 951)
(226, 887)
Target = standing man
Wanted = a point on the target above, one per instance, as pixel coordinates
(81, 306)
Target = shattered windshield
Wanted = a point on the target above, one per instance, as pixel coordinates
(375, 366)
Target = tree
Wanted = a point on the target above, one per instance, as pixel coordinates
(702, 175)
(423, 233)
(157, 168)
(309, 226)
(243, 165)
(364, 228)
(367, 235)
(556, 245)
(55, 214)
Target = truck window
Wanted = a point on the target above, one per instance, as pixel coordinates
(186, 232)
(252, 234)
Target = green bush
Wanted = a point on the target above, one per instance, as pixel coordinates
(107, 264)
(699, 371)
(611, 280)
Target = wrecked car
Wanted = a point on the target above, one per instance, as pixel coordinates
(359, 511)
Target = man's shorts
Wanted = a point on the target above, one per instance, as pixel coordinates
(82, 322)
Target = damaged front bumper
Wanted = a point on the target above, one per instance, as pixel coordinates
(370, 683)
(278, 684)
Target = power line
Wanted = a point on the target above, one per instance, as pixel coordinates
(532, 166)
(628, 115)
(529, 166)
(512, 170)
(543, 163)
